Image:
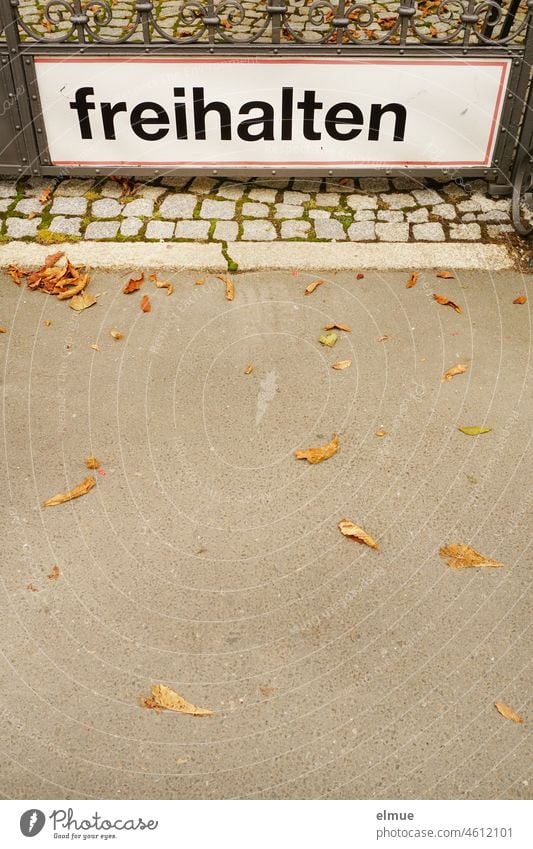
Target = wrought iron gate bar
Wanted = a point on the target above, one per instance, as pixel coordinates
(326, 23)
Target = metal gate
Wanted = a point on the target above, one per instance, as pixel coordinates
(466, 29)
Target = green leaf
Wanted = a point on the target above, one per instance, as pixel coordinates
(328, 339)
(474, 430)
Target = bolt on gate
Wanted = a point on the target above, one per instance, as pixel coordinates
(310, 87)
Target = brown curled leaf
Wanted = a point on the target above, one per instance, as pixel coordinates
(338, 326)
(508, 712)
(317, 455)
(442, 299)
(520, 300)
(133, 284)
(74, 290)
(54, 574)
(163, 698)
(92, 463)
(82, 301)
(116, 334)
(62, 497)
(445, 275)
(16, 273)
(341, 364)
(162, 284)
(45, 195)
(460, 556)
(51, 259)
(145, 304)
(230, 288)
(348, 529)
(312, 286)
(412, 280)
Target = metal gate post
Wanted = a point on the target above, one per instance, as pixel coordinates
(19, 97)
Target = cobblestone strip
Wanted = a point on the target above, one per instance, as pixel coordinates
(206, 209)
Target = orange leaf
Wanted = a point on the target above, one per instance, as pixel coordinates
(249, 369)
(445, 275)
(348, 529)
(116, 334)
(45, 195)
(460, 556)
(16, 274)
(412, 280)
(199, 282)
(92, 463)
(460, 368)
(230, 288)
(381, 432)
(163, 698)
(312, 286)
(162, 284)
(520, 300)
(51, 259)
(338, 326)
(508, 712)
(3, 330)
(442, 299)
(317, 455)
(82, 489)
(133, 284)
(54, 574)
(145, 304)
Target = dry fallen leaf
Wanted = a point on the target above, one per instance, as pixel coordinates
(47, 322)
(359, 276)
(82, 301)
(162, 284)
(54, 574)
(94, 347)
(338, 326)
(180, 761)
(249, 369)
(200, 282)
(267, 691)
(145, 304)
(79, 285)
(508, 712)
(133, 284)
(442, 299)
(16, 273)
(520, 300)
(383, 338)
(31, 588)
(412, 280)
(460, 556)
(445, 275)
(317, 455)
(341, 364)
(3, 330)
(45, 195)
(163, 698)
(312, 286)
(92, 463)
(116, 334)
(51, 259)
(460, 368)
(328, 340)
(31, 216)
(348, 529)
(230, 288)
(474, 430)
(381, 432)
(62, 497)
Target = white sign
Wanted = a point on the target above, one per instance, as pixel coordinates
(255, 112)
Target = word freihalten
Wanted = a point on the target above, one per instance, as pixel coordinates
(343, 122)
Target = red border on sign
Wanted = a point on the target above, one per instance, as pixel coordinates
(503, 65)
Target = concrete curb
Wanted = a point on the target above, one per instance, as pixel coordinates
(264, 256)
(385, 256)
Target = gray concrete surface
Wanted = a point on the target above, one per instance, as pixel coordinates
(209, 559)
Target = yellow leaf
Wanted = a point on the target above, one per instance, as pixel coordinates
(249, 369)
(230, 288)
(460, 368)
(82, 489)
(116, 334)
(312, 286)
(163, 698)
(92, 463)
(474, 430)
(338, 326)
(54, 574)
(412, 280)
(94, 347)
(317, 455)
(348, 529)
(82, 301)
(200, 282)
(381, 432)
(341, 364)
(460, 556)
(328, 340)
(508, 712)
(47, 323)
